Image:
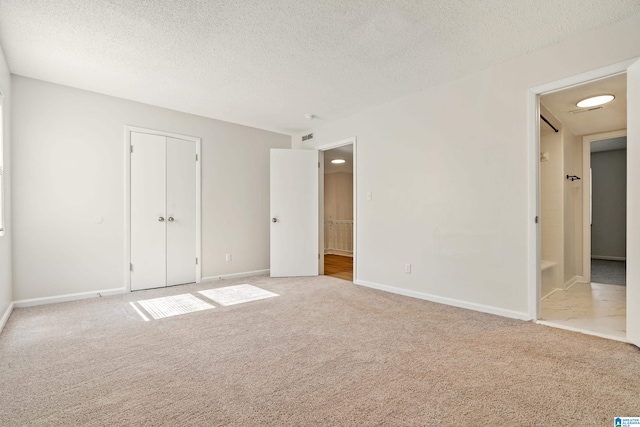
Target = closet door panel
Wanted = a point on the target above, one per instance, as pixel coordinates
(148, 215)
(181, 211)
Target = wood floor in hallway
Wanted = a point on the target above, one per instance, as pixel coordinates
(339, 266)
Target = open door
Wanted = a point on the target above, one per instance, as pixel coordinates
(633, 203)
(294, 213)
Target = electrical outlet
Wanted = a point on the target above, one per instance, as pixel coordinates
(407, 268)
(227, 257)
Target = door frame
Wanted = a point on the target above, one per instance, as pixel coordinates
(322, 148)
(533, 229)
(586, 196)
(127, 197)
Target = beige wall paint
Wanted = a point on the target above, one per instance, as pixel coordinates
(6, 292)
(449, 168)
(338, 196)
(69, 168)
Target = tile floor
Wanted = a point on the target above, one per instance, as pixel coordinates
(592, 307)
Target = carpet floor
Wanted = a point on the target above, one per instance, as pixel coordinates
(324, 352)
(609, 272)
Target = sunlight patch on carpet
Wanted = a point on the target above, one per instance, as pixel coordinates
(145, 318)
(174, 305)
(238, 294)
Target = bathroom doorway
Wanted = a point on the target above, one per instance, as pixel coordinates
(579, 215)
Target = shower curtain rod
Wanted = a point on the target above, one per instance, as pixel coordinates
(549, 123)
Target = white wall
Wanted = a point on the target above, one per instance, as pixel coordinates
(6, 295)
(68, 163)
(448, 172)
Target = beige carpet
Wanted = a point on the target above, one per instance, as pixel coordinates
(325, 352)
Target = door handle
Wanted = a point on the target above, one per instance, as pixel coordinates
(274, 219)
(170, 219)
(161, 219)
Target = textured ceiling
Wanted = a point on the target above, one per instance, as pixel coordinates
(267, 63)
(612, 116)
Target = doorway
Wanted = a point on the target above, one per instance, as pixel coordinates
(578, 215)
(337, 210)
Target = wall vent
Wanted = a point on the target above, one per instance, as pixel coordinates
(307, 137)
(585, 110)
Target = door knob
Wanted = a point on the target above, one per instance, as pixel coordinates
(170, 219)
(274, 219)
(161, 219)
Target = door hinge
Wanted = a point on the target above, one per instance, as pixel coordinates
(537, 220)
(196, 157)
(130, 267)
(196, 260)
(318, 256)
(131, 147)
(318, 165)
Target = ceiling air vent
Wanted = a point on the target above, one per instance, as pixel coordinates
(585, 110)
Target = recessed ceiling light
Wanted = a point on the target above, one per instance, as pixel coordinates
(338, 161)
(595, 101)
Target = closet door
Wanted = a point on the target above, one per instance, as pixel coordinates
(148, 216)
(181, 212)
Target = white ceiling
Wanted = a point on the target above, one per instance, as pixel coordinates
(267, 63)
(612, 116)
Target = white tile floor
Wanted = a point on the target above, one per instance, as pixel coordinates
(591, 307)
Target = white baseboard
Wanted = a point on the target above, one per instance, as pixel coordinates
(447, 301)
(235, 275)
(609, 258)
(553, 291)
(5, 316)
(569, 283)
(337, 252)
(68, 297)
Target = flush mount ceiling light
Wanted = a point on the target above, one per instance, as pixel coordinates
(338, 161)
(594, 101)
(309, 116)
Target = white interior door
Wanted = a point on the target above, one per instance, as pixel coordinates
(181, 212)
(633, 203)
(294, 213)
(148, 198)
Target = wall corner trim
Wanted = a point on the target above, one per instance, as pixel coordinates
(5, 316)
(447, 301)
(235, 275)
(68, 297)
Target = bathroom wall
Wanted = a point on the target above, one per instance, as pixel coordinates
(608, 232)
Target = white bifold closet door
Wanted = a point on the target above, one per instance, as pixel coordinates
(163, 211)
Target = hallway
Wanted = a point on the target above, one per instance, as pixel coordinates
(339, 266)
